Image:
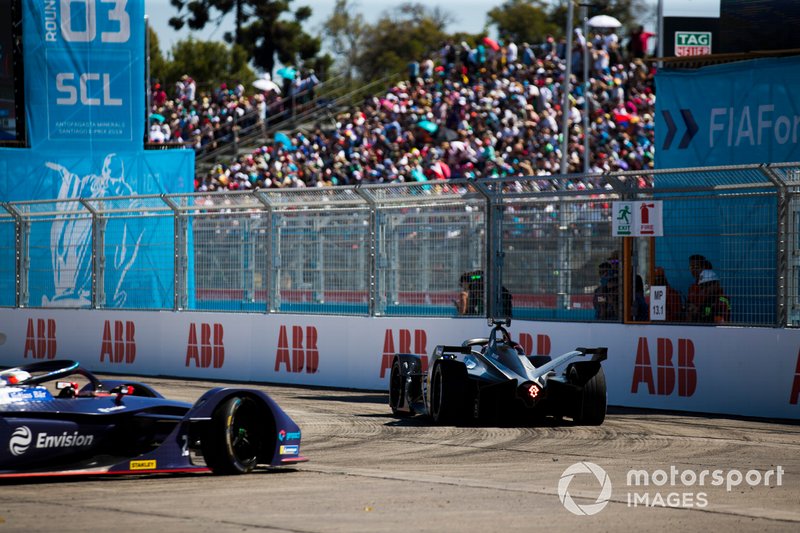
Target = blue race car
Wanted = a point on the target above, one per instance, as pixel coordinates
(57, 418)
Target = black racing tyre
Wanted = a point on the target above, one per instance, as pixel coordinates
(397, 389)
(235, 437)
(448, 393)
(591, 407)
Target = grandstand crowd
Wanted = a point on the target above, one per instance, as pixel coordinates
(482, 111)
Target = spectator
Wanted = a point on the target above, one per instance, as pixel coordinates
(505, 122)
(159, 95)
(674, 301)
(639, 42)
(715, 306)
(606, 295)
(470, 298)
(413, 70)
(640, 310)
(156, 135)
(694, 298)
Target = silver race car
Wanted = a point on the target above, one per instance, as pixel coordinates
(491, 379)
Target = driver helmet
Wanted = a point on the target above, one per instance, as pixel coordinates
(13, 376)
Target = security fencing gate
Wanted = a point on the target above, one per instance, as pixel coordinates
(401, 249)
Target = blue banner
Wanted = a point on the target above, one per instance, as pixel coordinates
(84, 63)
(736, 113)
(84, 72)
(139, 254)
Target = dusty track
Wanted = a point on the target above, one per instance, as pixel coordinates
(370, 472)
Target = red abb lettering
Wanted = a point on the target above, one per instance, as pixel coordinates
(665, 368)
(665, 371)
(40, 341)
(687, 373)
(404, 337)
(304, 351)
(542, 344)
(121, 345)
(642, 373)
(211, 348)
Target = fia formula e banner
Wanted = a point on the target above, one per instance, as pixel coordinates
(736, 113)
(84, 67)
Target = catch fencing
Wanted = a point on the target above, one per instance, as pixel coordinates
(401, 249)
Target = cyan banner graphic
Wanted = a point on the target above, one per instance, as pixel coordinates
(736, 113)
(84, 63)
(84, 67)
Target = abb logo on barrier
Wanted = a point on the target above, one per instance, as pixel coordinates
(420, 341)
(404, 346)
(304, 352)
(665, 369)
(119, 346)
(210, 351)
(40, 339)
(796, 384)
(542, 344)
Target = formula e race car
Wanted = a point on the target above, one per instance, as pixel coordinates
(491, 379)
(57, 418)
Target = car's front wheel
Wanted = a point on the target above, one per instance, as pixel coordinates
(235, 437)
(397, 390)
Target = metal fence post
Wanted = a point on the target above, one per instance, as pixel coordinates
(493, 271)
(372, 268)
(22, 231)
(782, 247)
(273, 256)
(98, 256)
(276, 262)
(180, 260)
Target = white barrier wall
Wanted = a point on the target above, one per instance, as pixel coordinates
(726, 370)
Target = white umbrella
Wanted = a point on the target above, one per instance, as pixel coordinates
(604, 21)
(266, 84)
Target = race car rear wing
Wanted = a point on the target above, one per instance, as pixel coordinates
(442, 349)
(598, 354)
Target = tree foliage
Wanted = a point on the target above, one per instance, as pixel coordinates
(209, 63)
(408, 32)
(629, 12)
(158, 65)
(260, 28)
(268, 31)
(523, 21)
(345, 33)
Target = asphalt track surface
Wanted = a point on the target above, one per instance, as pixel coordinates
(370, 472)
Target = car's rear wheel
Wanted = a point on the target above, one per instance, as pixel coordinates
(591, 407)
(448, 393)
(397, 390)
(235, 437)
